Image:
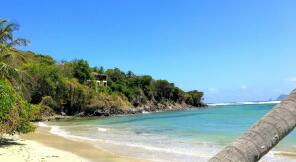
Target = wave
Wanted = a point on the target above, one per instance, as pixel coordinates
(172, 150)
(244, 103)
(59, 131)
(102, 129)
(42, 124)
(146, 112)
(163, 151)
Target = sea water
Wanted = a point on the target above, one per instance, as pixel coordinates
(189, 135)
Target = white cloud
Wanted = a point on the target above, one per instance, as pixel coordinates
(291, 79)
(244, 86)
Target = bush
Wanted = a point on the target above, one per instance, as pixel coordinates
(81, 70)
(104, 102)
(49, 102)
(46, 81)
(74, 96)
(14, 111)
(195, 98)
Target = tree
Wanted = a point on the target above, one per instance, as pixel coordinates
(99, 70)
(196, 97)
(163, 90)
(74, 96)
(47, 79)
(116, 75)
(263, 135)
(130, 74)
(9, 56)
(81, 70)
(14, 111)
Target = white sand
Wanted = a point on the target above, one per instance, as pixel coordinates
(31, 151)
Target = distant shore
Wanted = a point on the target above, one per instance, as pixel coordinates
(45, 147)
(132, 111)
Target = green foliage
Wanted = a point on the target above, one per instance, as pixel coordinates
(69, 87)
(46, 107)
(116, 75)
(81, 70)
(103, 101)
(163, 90)
(74, 96)
(36, 113)
(48, 101)
(44, 59)
(46, 80)
(99, 70)
(10, 57)
(25, 116)
(7, 100)
(196, 97)
(15, 112)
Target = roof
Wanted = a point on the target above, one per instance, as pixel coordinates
(99, 76)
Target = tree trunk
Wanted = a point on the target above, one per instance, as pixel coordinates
(263, 135)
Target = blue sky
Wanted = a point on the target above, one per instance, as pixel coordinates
(231, 50)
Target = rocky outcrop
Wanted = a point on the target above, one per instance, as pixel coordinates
(147, 107)
(150, 106)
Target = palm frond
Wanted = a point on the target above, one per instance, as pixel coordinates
(3, 22)
(6, 31)
(7, 71)
(19, 42)
(11, 58)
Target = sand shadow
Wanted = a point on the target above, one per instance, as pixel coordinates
(6, 142)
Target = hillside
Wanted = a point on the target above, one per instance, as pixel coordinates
(70, 87)
(34, 86)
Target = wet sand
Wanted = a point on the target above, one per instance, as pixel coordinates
(41, 146)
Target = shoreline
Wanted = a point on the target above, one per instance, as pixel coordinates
(43, 146)
(81, 148)
(141, 111)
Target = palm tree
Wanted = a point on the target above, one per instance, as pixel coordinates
(9, 56)
(263, 135)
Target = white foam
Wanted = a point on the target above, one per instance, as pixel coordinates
(244, 103)
(158, 152)
(58, 130)
(169, 150)
(145, 112)
(102, 129)
(61, 132)
(42, 124)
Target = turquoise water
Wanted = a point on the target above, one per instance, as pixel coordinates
(190, 135)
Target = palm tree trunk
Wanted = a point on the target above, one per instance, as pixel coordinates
(263, 135)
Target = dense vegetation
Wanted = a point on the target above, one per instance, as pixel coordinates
(33, 85)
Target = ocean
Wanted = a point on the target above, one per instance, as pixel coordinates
(189, 135)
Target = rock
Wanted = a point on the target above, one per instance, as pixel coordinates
(80, 114)
(98, 113)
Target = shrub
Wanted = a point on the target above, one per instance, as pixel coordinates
(49, 102)
(74, 96)
(14, 111)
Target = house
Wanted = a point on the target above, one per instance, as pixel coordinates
(100, 79)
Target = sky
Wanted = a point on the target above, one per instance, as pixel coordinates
(230, 50)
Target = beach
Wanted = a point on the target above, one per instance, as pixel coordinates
(189, 135)
(41, 146)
